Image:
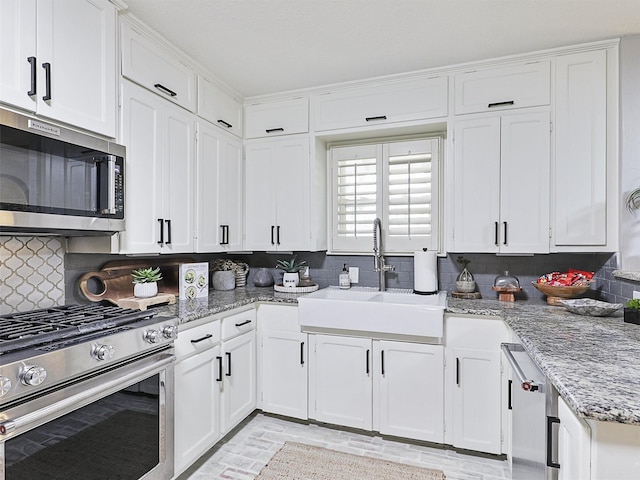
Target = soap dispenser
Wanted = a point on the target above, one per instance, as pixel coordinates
(343, 279)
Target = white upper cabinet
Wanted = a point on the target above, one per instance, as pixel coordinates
(584, 190)
(513, 86)
(145, 62)
(501, 183)
(219, 107)
(283, 117)
(67, 74)
(404, 100)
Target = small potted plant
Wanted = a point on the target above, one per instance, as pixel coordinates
(291, 268)
(632, 311)
(145, 281)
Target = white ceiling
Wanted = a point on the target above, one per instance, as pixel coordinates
(267, 46)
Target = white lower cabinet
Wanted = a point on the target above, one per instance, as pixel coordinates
(392, 387)
(574, 445)
(283, 362)
(473, 383)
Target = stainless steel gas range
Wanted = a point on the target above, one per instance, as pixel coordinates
(86, 392)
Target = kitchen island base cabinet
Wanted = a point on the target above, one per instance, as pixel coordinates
(574, 447)
(282, 369)
(474, 383)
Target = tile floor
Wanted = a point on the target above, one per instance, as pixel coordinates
(242, 456)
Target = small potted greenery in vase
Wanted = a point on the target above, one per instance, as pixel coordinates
(145, 281)
(291, 268)
(632, 311)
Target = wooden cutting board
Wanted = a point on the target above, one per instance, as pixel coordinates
(113, 281)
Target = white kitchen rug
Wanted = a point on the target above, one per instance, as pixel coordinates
(296, 461)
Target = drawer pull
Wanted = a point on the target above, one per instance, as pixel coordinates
(373, 119)
(164, 89)
(246, 322)
(273, 130)
(500, 104)
(225, 124)
(202, 339)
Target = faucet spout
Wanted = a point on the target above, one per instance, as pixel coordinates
(379, 265)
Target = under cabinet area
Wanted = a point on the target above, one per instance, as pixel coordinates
(42, 58)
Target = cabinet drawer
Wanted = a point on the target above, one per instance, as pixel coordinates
(407, 100)
(220, 108)
(238, 323)
(515, 86)
(149, 65)
(277, 118)
(197, 339)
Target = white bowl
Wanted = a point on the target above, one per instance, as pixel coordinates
(588, 306)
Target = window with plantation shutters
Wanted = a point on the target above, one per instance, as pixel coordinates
(397, 182)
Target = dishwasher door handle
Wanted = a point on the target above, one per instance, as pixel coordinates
(525, 383)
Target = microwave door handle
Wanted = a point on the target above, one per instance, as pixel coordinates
(526, 384)
(111, 185)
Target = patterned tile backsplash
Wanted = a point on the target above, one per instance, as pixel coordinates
(31, 273)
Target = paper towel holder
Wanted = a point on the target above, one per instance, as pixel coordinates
(433, 292)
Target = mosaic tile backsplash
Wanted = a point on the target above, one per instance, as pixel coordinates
(31, 273)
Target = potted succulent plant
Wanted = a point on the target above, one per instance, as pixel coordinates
(291, 268)
(632, 311)
(145, 281)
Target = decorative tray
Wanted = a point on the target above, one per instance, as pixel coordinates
(588, 306)
(278, 287)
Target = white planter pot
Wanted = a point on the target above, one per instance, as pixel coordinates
(290, 280)
(145, 290)
(223, 280)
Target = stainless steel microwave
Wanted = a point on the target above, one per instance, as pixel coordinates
(56, 180)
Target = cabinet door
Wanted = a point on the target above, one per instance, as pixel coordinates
(580, 172)
(178, 178)
(260, 215)
(197, 410)
(283, 117)
(477, 403)
(17, 45)
(220, 108)
(409, 390)
(574, 445)
(284, 373)
(524, 183)
(141, 133)
(239, 388)
(231, 193)
(341, 383)
(78, 41)
(477, 185)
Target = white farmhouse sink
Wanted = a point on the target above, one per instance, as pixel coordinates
(396, 312)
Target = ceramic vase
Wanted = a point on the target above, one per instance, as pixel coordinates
(465, 283)
(263, 278)
(223, 280)
(145, 290)
(290, 280)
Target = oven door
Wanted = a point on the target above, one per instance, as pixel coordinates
(117, 424)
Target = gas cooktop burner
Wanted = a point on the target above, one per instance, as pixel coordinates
(40, 327)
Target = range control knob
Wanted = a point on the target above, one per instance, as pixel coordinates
(104, 352)
(33, 375)
(170, 331)
(5, 385)
(152, 336)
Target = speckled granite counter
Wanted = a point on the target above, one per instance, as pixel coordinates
(594, 362)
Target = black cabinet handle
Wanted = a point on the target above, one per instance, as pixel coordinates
(301, 353)
(272, 230)
(505, 232)
(47, 81)
(168, 222)
(550, 422)
(509, 387)
(367, 362)
(161, 222)
(373, 119)
(457, 371)
(228, 354)
(273, 130)
(500, 104)
(278, 235)
(32, 62)
(202, 339)
(246, 322)
(496, 233)
(382, 361)
(219, 359)
(164, 89)
(225, 235)
(225, 124)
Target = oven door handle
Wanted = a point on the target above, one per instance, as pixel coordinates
(73, 402)
(526, 384)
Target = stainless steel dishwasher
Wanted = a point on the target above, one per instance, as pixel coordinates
(534, 404)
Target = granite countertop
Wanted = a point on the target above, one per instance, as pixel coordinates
(593, 362)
